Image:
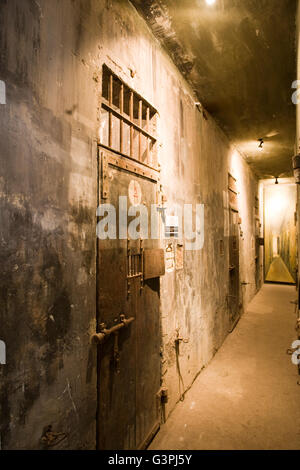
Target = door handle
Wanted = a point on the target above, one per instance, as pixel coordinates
(105, 333)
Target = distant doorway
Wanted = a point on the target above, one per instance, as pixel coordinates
(280, 233)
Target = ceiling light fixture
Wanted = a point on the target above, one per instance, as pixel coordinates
(210, 2)
(261, 144)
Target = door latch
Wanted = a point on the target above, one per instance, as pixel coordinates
(105, 333)
(115, 330)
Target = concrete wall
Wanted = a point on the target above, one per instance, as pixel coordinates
(297, 143)
(51, 61)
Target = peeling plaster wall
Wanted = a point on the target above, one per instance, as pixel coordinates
(51, 60)
(48, 200)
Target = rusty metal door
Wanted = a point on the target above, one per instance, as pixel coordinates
(257, 253)
(234, 269)
(128, 323)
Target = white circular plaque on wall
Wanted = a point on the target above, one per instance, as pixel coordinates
(135, 193)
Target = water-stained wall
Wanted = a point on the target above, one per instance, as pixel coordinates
(297, 143)
(51, 60)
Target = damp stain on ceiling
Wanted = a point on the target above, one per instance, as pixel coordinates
(239, 56)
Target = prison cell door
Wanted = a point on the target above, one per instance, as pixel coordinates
(257, 253)
(234, 270)
(128, 314)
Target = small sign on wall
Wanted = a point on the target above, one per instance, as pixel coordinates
(171, 226)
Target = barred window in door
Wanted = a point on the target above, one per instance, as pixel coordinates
(128, 122)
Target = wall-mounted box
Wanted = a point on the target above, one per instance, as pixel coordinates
(154, 263)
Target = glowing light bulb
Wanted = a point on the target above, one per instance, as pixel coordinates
(210, 2)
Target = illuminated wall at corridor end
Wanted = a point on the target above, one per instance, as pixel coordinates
(280, 233)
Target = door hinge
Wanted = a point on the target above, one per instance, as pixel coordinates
(163, 395)
(162, 398)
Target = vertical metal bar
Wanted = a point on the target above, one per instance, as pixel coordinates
(128, 267)
(148, 143)
(110, 91)
(140, 112)
(140, 124)
(129, 257)
(142, 263)
(148, 119)
(153, 151)
(110, 99)
(116, 353)
(131, 119)
(121, 120)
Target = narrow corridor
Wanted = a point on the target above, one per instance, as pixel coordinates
(149, 186)
(248, 397)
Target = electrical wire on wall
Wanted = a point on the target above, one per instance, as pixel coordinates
(178, 340)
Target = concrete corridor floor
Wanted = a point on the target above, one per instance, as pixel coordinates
(248, 397)
(279, 272)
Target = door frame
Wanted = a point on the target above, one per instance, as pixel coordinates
(118, 161)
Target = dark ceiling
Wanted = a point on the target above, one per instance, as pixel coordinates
(240, 58)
